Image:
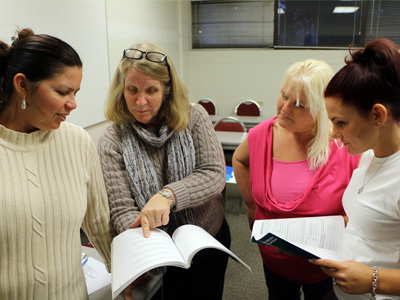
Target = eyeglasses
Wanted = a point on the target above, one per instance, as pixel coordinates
(152, 56)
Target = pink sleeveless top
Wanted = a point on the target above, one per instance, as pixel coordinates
(322, 196)
(297, 175)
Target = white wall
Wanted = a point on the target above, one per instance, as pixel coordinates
(227, 76)
(82, 24)
(135, 21)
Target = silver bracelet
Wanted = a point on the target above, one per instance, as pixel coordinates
(374, 281)
(167, 195)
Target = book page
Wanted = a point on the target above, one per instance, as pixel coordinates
(321, 232)
(190, 239)
(321, 236)
(133, 255)
(337, 255)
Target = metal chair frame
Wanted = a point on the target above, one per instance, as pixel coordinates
(230, 120)
(211, 101)
(248, 102)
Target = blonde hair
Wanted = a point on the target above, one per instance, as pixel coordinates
(310, 78)
(175, 107)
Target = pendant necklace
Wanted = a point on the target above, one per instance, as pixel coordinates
(360, 190)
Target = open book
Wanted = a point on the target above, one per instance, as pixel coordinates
(132, 254)
(311, 237)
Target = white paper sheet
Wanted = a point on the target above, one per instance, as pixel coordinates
(96, 275)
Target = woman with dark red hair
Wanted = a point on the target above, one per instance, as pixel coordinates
(363, 103)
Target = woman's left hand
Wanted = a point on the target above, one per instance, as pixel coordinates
(351, 276)
(154, 214)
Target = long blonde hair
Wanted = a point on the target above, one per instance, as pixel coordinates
(310, 78)
(175, 107)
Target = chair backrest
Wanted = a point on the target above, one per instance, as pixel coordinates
(229, 124)
(209, 105)
(248, 108)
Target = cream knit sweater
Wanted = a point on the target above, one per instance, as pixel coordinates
(50, 186)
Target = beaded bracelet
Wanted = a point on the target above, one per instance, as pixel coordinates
(374, 282)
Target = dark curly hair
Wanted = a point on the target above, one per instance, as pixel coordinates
(38, 57)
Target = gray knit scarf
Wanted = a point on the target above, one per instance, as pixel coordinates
(142, 176)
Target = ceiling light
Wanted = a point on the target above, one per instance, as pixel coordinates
(345, 9)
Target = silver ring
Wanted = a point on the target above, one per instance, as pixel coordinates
(334, 282)
(157, 220)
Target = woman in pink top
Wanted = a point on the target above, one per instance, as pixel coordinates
(289, 167)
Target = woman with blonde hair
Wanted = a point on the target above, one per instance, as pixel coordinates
(164, 166)
(289, 167)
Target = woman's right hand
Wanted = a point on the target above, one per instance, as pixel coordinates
(154, 214)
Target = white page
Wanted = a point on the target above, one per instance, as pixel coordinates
(324, 253)
(96, 275)
(321, 236)
(190, 239)
(322, 232)
(133, 255)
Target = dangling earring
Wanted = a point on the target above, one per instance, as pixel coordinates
(23, 105)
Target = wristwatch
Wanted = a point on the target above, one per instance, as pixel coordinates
(167, 195)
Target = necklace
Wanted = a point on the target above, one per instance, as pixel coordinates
(361, 189)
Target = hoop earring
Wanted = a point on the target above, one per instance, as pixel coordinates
(23, 105)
